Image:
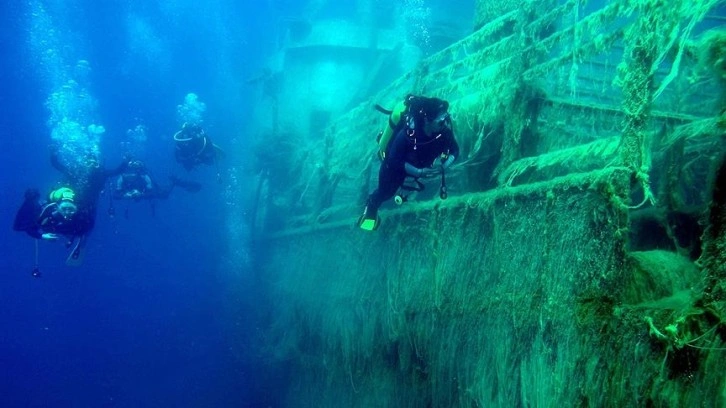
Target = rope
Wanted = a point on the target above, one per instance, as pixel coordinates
(36, 270)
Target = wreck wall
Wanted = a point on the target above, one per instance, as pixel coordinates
(538, 282)
(516, 297)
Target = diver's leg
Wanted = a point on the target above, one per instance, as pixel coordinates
(389, 180)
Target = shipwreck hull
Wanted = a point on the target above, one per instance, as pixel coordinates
(573, 264)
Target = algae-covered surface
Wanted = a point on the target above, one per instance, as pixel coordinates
(579, 258)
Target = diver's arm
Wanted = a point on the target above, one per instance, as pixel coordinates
(149, 184)
(56, 163)
(34, 233)
(43, 229)
(449, 161)
(396, 156)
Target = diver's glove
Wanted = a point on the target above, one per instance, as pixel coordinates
(49, 236)
(448, 162)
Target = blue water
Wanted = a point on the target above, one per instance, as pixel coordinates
(153, 318)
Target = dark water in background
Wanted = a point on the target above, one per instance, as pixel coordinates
(145, 321)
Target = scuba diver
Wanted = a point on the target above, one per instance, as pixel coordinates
(136, 183)
(418, 135)
(59, 215)
(194, 147)
(70, 210)
(47, 220)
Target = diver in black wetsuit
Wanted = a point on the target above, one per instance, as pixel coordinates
(58, 215)
(70, 210)
(194, 147)
(424, 135)
(136, 183)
